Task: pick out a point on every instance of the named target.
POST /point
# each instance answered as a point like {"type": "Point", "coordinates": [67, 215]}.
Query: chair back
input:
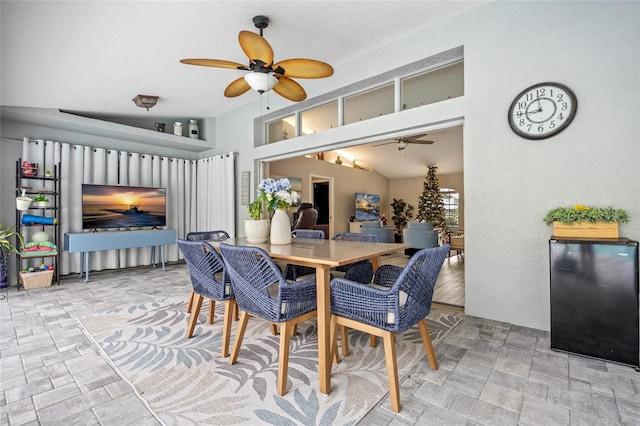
{"type": "Point", "coordinates": [417, 280]}
{"type": "Point", "coordinates": [354, 236]}
{"type": "Point", "coordinates": [260, 287]}
{"type": "Point", "coordinates": [217, 235]}
{"type": "Point", "coordinates": [306, 219]}
{"type": "Point", "coordinates": [317, 234]}
{"type": "Point", "coordinates": [206, 269]}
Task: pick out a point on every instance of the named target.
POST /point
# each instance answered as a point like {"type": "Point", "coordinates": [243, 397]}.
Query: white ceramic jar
{"type": "Point", "coordinates": [177, 128]}
{"type": "Point", "coordinates": [193, 129]}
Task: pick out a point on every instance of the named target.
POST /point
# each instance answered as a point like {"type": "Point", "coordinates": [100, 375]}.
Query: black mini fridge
{"type": "Point", "coordinates": [594, 298]}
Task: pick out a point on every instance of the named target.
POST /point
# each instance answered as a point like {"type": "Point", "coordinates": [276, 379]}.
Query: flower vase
{"type": "Point", "coordinates": [257, 231]}
{"type": "Point", "coordinates": [280, 228]}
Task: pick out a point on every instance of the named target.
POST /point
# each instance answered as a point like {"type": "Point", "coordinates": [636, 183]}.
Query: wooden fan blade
{"type": "Point", "coordinates": [304, 68]}
{"type": "Point", "coordinates": [385, 143]}
{"type": "Point", "coordinates": [289, 89]}
{"type": "Point", "coordinates": [236, 88]}
{"type": "Point", "coordinates": [218, 63]}
{"type": "Point", "coordinates": [255, 47]}
{"type": "Point", "coordinates": [421, 142]}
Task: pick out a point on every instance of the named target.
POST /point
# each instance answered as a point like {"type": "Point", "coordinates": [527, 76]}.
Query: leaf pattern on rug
{"type": "Point", "coordinates": [187, 382]}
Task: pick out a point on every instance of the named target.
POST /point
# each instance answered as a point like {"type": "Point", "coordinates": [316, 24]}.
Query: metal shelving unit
{"type": "Point", "coordinates": [33, 185]}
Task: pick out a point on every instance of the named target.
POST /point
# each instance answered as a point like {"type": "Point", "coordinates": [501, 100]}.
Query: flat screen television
{"type": "Point", "coordinates": [367, 206]}
{"type": "Point", "coordinates": [119, 206]}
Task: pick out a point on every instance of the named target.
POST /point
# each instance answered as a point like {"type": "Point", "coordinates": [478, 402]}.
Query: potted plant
{"type": "Point", "coordinates": [7, 248]}
{"type": "Point", "coordinates": [47, 173]}
{"type": "Point", "coordinates": [586, 222]}
{"type": "Point", "coordinates": [402, 212]}
{"type": "Point", "coordinates": [273, 196]}
{"type": "Point", "coordinates": [40, 201]}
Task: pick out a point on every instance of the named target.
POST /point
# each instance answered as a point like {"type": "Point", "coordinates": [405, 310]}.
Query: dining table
{"type": "Point", "coordinates": [322, 255]}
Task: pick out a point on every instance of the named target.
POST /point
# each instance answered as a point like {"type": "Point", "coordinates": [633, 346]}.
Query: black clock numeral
{"type": "Point", "coordinates": [564, 106]}
{"type": "Point", "coordinates": [529, 97]}
{"type": "Point", "coordinates": [529, 128]}
{"type": "Point", "coordinates": [560, 97]}
{"type": "Point", "coordinates": [521, 122]}
{"type": "Point", "coordinates": [560, 117]}
{"type": "Point", "coordinates": [552, 125]}
{"type": "Point", "coordinates": [522, 105]}
{"type": "Point", "coordinates": [541, 128]}
{"type": "Point", "coordinates": [540, 92]}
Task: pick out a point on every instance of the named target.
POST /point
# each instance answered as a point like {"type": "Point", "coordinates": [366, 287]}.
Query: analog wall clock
{"type": "Point", "coordinates": [542, 110]}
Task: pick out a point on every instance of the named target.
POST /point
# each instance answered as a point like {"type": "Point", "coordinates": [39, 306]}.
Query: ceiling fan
{"type": "Point", "coordinates": [402, 143]}
{"type": "Point", "coordinates": [264, 75]}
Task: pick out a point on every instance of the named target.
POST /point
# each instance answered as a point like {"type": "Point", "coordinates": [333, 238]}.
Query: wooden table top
{"type": "Point", "coordinates": [323, 252]}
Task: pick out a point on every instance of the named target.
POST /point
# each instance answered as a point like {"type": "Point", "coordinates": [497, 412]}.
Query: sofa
{"type": "Point", "coordinates": [419, 235]}
{"type": "Point", "coordinates": [385, 235]}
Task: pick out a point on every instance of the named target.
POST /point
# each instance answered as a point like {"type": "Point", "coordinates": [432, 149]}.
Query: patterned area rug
{"type": "Point", "coordinates": [187, 382]}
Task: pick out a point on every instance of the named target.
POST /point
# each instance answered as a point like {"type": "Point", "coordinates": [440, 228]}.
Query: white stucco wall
{"type": "Point", "coordinates": [510, 182]}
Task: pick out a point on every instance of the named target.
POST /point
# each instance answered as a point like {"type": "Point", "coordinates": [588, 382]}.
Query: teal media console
{"type": "Point", "coordinates": [86, 242]}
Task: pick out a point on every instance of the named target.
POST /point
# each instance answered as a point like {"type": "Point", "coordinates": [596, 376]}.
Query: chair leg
{"type": "Point", "coordinates": [428, 346]}
{"type": "Point", "coordinates": [236, 313]}
{"type": "Point", "coordinates": [244, 319]}
{"type": "Point", "coordinates": [212, 307]}
{"type": "Point", "coordinates": [345, 340]}
{"type": "Point", "coordinates": [274, 329]}
{"type": "Point", "coordinates": [333, 332]}
{"type": "Point", "coordinates": [392, 370]}
{"type": "Point", "coordinates": [229, 309]}
{"type": "Point", "coordinates": [373, 341]}
{"type": "Point", "coordinates": [190, 303]}
{"type": "Point", "coordinates": [195, 311]}
{"type": "Point", "coordinates": [283, 361]}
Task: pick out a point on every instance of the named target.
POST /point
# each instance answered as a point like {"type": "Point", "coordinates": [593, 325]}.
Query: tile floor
{"type": "Point", "coordinates": [491, 373]}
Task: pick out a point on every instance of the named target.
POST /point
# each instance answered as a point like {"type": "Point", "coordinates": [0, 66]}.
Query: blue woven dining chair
{"type": "Point", "coordinates": [317, 234]}
{"type": "Point", "coordinates": [262, 291]}
{"type": "Point", "coordinates": [361, 271]}
{"type": "Point", "coordinates": [208, 279]}
{"type": "Point", "coordinates": [293, 272]}
{"type": "Point", "coordinates": [217, 235]}
{"type": "Point", "coordinates": [398, 299]}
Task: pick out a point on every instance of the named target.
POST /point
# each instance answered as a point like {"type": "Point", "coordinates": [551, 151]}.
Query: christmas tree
{"type": "Point", "coordinates": [430, 205]}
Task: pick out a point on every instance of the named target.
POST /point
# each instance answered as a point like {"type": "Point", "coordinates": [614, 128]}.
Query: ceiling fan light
{"type": "Point", "coordinates": [261, 81]}
{"type": "Point", "coordinates": [145, 101]}
{"type": "Point", "coordinates": [402, 145]}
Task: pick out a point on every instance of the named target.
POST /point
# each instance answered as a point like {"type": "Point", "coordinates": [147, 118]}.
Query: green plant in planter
{"type": "Point", "coordinates": [581, 213]}
{"type": "Point", "coordinates": [400, 216]}
{"type": "Point", "coordinates": [5, 244]}
{"type": "Point", "coordinates": [40, 199]}
{"type": "Point", "coordinates": [255, 210]}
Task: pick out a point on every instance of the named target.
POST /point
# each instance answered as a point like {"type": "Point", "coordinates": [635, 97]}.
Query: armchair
{"type": "Point", "coordinates": [419, 235]}
{"type": "Point", "coordinates": [398, 299]}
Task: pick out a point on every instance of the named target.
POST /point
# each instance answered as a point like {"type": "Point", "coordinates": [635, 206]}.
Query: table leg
{"type": "Point", "coordinates": [81, 264]}
{"type": "Point", "coordinates": [86, 267]}
{"type": "Point", "coordinates": [323, 279]}
{"type": "Point", "coordinates": [162, 256]}
{"type": "Point", "coordinates": [153, 256]}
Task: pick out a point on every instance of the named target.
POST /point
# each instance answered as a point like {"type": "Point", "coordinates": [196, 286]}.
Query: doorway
{"type": "Point", "coordinates": [322, 190]}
